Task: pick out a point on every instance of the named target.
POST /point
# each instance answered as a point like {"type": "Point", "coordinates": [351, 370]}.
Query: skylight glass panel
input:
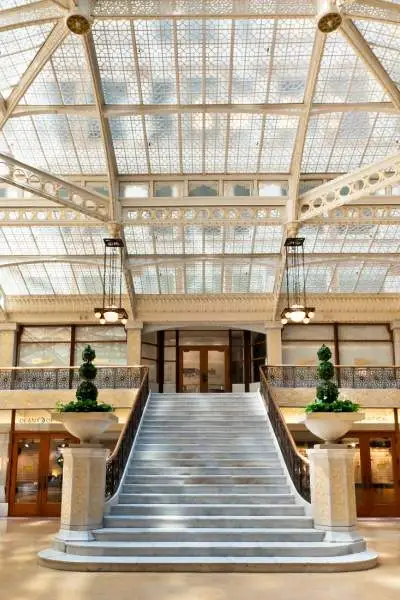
{"type": "Point", "coordinates": [239, 239]}
{"type": "Point", "coordinates": [7, 4]}
{"type": "Point", "coordinates": [49, 240]}
{"type": "Point", "coordinates": [146, 281]}
{"type": "Point", "coordinates": [129, 144]}
{"type": "Point", "coordinates": [213, 278]}
{"type": "Point", "coordinates": [214, 239]}
{"type": "Point", "coordinates": [345, 278]}
{"type": "Point", "coordinates": [193, 239]}
{"type": "Point", "coordinates": [343, 77]}
{"type": "Point", "coordinates": [65, 78]}
{"type": "Point", "coordinates": [262, 279]}
{"type": "Point", "coordinates": [169, 276]}
{"type": "Point", "coordinates": [384, 138]}
{"type": "Point", "coordinates": [318, 278]}
{"type": "Point", "coordinates": [190, 60]}
{"type": "Point", "coordinates": [192, 142]}
{"type": "Point", "coordinates": [12, 282]}
{"type": "Point", "coordinates": [278, 144]}
{"type": "Point", "coordinates": [215, 135]}
{"type": "Point", "coordinates": [336, 142]}
{"type": "Point", "coordinates": [115, 55]}
{"type": "Point", "coordinates": [84, 240]}
{"type": "Point", "coordinates": [253, 41]}
{"type": "Point", "coordinates": [268, 238]}
{"type": "Point", "coordinates": [168, 240]}
{"type": "Point", "coordinates": [383, 39]}
{"type": "Point", "coordinates": [387, 239]}
{"type": "Point", "coordinates": [244, 142]}
{"type": "Point", "coordinates": [293, 44]}
{"type": "Point", "coordinates": [218, 37]}
{"type": "Point", "coordinates": [163, 143]}
{"type": "Point", "coordinates": [61, 144]}
{"type": "Point", "coordinates": [89, 278]}
{"type": "Point", "coordinates": [194, 278]}
{"type": "Point", "coordinates": [36, 279]}
{"type": "Point", "coordinates": [18, 240]}
{"type": "Point", "coordinates": [237, 278]}
{"type": "Point", "coordinates": [62, 278]}
{"type": "Point", "coordinates": [391, 284]}
{"type": "Point", "coordinates": [19, 48]}
{"type": "Point", "coordinates": [371, 279]}
{"type": "Point", "coordinates": [358, 238]}
{"type": "Point", "coordinates": [156, 61]}
{"type": "Point", "coordinates": [139, 239]}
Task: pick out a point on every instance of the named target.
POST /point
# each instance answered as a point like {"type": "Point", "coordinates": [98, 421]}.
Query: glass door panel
{"type": "Point", "coordinates": [190, 371]}
{"type": "Point", "coordinates": [216, 370]}
{"type": "Point", "coordinates": [26, 458]}
{"type": "Point", "coordinates": [52, 481]}
{"type": "Point", "coordinates": [381, 480]}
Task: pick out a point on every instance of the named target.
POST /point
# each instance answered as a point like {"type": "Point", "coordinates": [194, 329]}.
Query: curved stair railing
{"type": "Point", "coordinates": [297, 465]}
{"type": "Point", "coordinates": [116, 463]}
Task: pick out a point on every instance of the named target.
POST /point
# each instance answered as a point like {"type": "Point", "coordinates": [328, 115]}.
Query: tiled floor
{"type": "Point", "coordinates": [22, 579]}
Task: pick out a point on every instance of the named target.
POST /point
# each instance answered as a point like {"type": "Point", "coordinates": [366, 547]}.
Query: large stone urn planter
{"type": "Point", "coordinates": [330, 426]}
{"type": "Point", "coordinates": [86, 426]}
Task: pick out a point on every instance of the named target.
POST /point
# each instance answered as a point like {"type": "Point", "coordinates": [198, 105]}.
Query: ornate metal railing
{"type": "Point", "coordinates": [345, 377]}
{"type": "Point", "coordinates": [59, 378]}
{"type": "Point", "coordinates": [117, 461]}
{"type": "Point", "coordinates": [297, 465]}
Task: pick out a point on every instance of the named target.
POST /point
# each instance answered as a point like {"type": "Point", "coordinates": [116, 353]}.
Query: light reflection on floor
{"type": "Point", "coordinates": [22, 579]}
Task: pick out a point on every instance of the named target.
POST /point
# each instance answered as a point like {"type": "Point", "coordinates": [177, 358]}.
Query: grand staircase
{"type": "Point", "coordinates": [206, 489]}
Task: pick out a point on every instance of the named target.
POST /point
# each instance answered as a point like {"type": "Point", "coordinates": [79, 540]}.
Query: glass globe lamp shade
{"type": "Point", "coordinates": [97, 314]}
{"type": "Point", "coordinates": [124, 321]}
{"type": "Point", "coordinates": [111, 315]}
{"type": "Point", "coordinates": [306, 320]}
{"type": "Point", "coordinates": [297, 315]}
{"type": "Point", "coordinates": [284, 320]}
{"type": "Point", "coordinates": [311, 314]}
{"type": "Point", "coordinates": [288, 314]}
{"type": "Point", "coordinates": [102, 320]}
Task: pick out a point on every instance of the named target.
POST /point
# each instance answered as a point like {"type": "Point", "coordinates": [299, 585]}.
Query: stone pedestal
{"type": "Point", "coordinates": [4, 447]}
{"type": "Point", "coordinates": [82, 504]}
{"type": "Point", "coordinates": [333, 496]}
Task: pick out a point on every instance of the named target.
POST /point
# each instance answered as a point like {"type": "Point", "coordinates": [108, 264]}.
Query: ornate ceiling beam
{"type": "Point", "coordinates": [349, 188]}
{"type": "Point", "coordinates": [295, 171]}
{"type": "Point", "coordinates": [105, 128]}
{"type": "Point", "coordinates": [357, 41]}
{"type": "Point", "coordinates": [56, 37]}
{"type": "Point", "coordinates": [53, 188]}
{"type": "Point", "coordinates": [30, 14]}
{"type": "Point", "coordinates": [120, 110]}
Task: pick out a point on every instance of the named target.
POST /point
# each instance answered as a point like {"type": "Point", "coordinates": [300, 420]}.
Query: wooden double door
{"type": "Point", "coordinates": [204, 369]}
{"type": "Point", "coordinates": [36, 473]}
{"type": "Point", "coordinates": [377, 474]}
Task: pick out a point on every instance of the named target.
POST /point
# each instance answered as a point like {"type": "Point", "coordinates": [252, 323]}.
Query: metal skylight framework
{"type": "Point", "coordinates": [214, 88]}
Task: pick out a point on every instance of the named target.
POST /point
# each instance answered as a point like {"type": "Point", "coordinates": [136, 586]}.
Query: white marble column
{"type": "Point", "coordinates": [4, 447]}
{"type": "Point", "coordinates": [273, 343]}
{"type": "Point", "coordinates": [333, 497]}
{"type": "Point", "coordinates": [134, 342]}
{"type": "Point", "coordinates": [395, 327]}
{"type": "Point", "coordinates": [82, 503]}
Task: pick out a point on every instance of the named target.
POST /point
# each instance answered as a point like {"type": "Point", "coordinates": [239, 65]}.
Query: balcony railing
{"type": "Point", "coordinates": [64, 378]}
{"type": "Point", "coordinates": [372, 377]}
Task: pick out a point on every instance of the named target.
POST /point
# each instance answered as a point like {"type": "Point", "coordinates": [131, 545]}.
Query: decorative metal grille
{"type": "Point", "coordinates": [298, 466]}
{"type": "Point", "coordinates": [346, 377]}
{"type": "Point", "coordinates": [116, 463]}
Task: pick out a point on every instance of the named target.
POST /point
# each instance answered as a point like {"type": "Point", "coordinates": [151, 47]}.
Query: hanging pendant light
{"type": "Point", "coordinates": [296, 309]}
{"type": "Point", "coordinates": [112, 310]}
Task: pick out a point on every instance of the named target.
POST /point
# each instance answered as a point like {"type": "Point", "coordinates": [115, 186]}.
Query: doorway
{"type": "Point", "coordinates": [36, 473]}
{"type": "Point", "coordinates": [204, 369]}
{"type": "Point", "coordinates": [376, 475]}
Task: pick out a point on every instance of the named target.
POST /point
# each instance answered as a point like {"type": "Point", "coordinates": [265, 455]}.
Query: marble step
{"type": "Point", "coordinates": [202, 448]}
{"type": "Point", "coordinates": [162, 463]}
{"type": "Point", "coordinates": [197, 509]}
{"type": "Point", "coordinates": [205, 454]}
{"type": "Point", "coordinates": [187, 498]}
{"type": "Point", "coordinates": [202, 472]}
{"type": "Point", "coordinates": [168, 488]}
{"type": "Point", "coordinates": [206, 521]}
{"type": "Point", "coordinates": [197, 549]}
{"type": "Point", "coordinates": [207, 535]}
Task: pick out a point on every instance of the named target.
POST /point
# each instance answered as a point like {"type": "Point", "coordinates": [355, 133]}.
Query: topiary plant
{"type": "Point", "coordinates": [327, 393]}
{"type": "Point", "coordinates": [86, 393]}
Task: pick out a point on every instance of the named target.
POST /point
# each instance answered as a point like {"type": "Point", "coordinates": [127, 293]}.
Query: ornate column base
{"type": "Point", "coordinates": [82, 503]}
{"type": "Point", "coordinates": [333, 498]}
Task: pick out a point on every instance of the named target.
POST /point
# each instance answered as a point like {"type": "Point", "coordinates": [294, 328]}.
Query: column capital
{"type": "Point", "coordinates": [6, 326]}
{"type": "Point", "coordinates": [395, 325]}
{"type": "Point", "coordinates": [273, 325]}
{"type": "Point", "coordinates": [134, 324]}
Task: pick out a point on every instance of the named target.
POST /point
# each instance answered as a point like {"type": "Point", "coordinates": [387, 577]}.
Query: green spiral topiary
{"type": "Point", "coordinates": [86, 393]}
{"type": "Point", "coordinates": [327, 393]}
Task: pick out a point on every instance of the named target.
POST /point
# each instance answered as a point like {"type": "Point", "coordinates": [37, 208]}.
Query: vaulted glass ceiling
{"type": "Point", "coordinates": [213, 87]}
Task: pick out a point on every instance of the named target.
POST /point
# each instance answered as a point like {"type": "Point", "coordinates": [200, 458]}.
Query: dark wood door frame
{"type": "Point", "coordinates": [203, 351]}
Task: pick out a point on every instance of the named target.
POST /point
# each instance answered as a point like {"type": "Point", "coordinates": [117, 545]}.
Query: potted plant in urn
{"type": "Point", "coordinates": [330, 417]}
{"type": "Point", "coordinates": [84, 417]}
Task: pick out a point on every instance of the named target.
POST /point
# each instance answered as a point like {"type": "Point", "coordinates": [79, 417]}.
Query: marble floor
{"type": "Point", "coordinates": [22, 579]}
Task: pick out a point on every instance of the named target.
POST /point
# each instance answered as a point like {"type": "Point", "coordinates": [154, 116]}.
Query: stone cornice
{"type": "Point", "coordinates": [219, 308]}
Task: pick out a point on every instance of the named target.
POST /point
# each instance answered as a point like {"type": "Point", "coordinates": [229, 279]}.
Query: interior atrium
{"type": "Point", "coordinates": [205, 192]}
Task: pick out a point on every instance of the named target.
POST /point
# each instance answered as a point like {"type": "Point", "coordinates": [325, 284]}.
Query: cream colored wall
{"type": "Point", "coordinates": [7, 343]}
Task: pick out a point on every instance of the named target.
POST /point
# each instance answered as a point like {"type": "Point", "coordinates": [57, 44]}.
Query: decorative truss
{"type": "Point", "coordinates": [349, 188]}
{"type": "Point", "coordinates": [53, 188]}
